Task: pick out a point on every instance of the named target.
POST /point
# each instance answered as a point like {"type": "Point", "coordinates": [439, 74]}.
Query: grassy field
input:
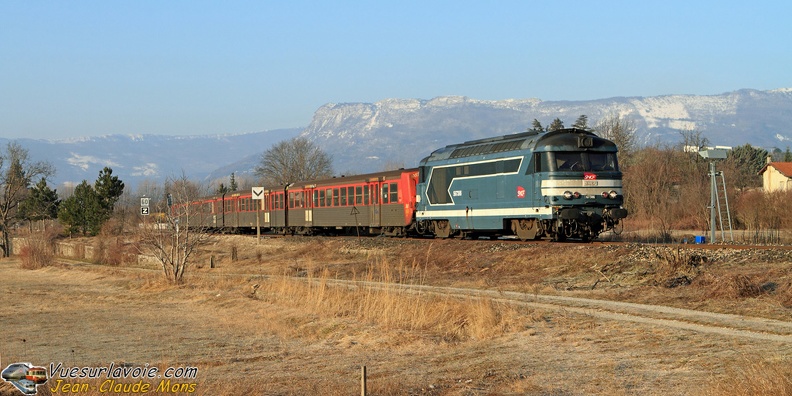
{"type": "Point", "coordinates": [268, 320]}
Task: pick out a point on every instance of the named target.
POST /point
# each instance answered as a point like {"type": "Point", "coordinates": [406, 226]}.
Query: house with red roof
{"type": "Point", "coordinates": [777, 176]}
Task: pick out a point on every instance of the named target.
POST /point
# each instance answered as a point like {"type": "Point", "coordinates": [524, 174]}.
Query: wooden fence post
{"type": "Point", "coordinates": [362, 380]}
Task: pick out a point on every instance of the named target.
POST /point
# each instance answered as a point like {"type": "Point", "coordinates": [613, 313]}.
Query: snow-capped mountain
{"type": "Point", "coordinates": [368, 137]}
{"type": "Point", "coordinates": [154, 158]}
{"type": "Point", "coordinates": [365, 136]}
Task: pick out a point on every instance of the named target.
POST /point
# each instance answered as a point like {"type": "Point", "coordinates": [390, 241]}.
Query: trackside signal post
{"type": "Point", "coordinates": [715, 154]}
{"type": "Point", "coordinates": [257, 193]}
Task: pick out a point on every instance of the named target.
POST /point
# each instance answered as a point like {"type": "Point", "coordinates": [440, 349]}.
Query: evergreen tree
{"type": "Point", "coordinates": [222, 189]}
{"type": "Point", "coordinates": [108, 188]}
{"type": "Point", "coordinates": [537, 126]}
{"type": "Point", "coordinates": [83, 212]}
{"type": "Point", "coordinates": [233, 186]}
{"type": "Point", "coordinates": [747, 161]}
{"type": "Point", "coordinates": [556, 125]}
{"type": "Point", "coordinates": [788, 155]}
{"type": "Point", "coordinates": [581, 123]}
{"type": "Point", "coordinates": [41, 203]}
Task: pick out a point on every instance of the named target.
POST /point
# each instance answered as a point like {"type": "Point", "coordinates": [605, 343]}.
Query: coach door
{"type": "Point", "coordinates": [263, 206]}
{"type": "Point", "coordinates": [308, 204]}
{"type": "Point", "coordinates": [376, 208]}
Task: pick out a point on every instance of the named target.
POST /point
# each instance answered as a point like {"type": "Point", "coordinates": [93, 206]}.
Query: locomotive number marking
{"type": "Point", "coordinates": [590, 183]}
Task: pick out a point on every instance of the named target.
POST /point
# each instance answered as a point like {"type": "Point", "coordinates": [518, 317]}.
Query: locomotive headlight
{"type": "Point", "coordinates": [613, 194]}
{"type": "Point", "coordinates": [604, 194]}
{"type": "Point", "coordinates": [567, 194]}
{"type": "Point", "coordinates": [576, 195]}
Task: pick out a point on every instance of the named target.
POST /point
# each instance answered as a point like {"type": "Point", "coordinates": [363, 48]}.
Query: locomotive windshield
{"type": "Point", "coordinates": [576, 161]}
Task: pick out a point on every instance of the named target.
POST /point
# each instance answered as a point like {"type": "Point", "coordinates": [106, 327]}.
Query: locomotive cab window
{"type": "Point", "coordinates": [569, 161]}
{"type": "Point", "coordinates": [603, 161]}
{"type": "Point", "coordinates": [574, 161]}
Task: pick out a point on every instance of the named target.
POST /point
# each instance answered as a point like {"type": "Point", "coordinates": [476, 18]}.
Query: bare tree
{"type": "Point", "coordinates": [176, 239]}
{"type": "Point", "coordinates": [16, 174]}
{"type": "Point", "coordinates": [692, 138]}
{"type": "Point", "coordinates": [293, 160]}
{"type": "Point", "coordinates": [620, 131]}
{"type": "Point", "coordinates": [651, 187]}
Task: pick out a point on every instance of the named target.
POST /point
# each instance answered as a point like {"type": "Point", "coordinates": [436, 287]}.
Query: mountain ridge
{"type": "Point", "coordinates": [368, 137]}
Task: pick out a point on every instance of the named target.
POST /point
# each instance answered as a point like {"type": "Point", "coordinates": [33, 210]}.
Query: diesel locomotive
{"type": "Point", "coordinates": [559, 185]}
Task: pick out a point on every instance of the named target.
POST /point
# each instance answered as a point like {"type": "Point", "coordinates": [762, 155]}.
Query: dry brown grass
{"type": "Point", "coordinates": [300, 333]}
{"type": "Point", "coordinates": [386, 305]}
{"type": "Point", "coordinates": [754, 377]}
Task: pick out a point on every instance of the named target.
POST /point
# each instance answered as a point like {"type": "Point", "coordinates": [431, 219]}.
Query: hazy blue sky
{"type": "Point", "coordinates": [84, 68]}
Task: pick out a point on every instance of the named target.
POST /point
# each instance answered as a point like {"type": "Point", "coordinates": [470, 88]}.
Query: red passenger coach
{"type": "Point", "coordinates": [375, 203]}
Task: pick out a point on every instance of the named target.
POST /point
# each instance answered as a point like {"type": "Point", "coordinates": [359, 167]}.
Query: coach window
{"type": "Point", "coordinates": [394, 192]}
{"type": "Point", "coordinates": [358, 195]}
{"type": "Point", "coordinates": [343, 196]}
{"type": "Point", "coordinates": [335, 197]}
{"type": "Point", "coordinates": [385, 193]}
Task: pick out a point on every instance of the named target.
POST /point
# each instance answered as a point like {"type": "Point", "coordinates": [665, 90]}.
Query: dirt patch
{"type": "Point", "coordinates": [254, 343]}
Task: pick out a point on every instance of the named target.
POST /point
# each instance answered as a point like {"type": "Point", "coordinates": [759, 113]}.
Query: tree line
{"type": "Point", "coordinates": [666, 186]}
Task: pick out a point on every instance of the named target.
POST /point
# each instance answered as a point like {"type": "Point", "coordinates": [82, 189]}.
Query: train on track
{"type": "Point", "coordinates": [563, 184]}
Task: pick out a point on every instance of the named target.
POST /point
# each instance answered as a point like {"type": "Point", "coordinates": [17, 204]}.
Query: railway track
{"type": "Point", "coordinates": [706, 246]}
{"type": "Point", "coordinates": [735, 326]}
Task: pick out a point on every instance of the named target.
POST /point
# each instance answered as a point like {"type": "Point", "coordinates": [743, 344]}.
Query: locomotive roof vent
{"type": "Point", "coordinates": [585, 141]}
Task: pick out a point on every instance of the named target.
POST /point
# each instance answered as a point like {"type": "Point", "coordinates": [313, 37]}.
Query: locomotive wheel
{"type": "Point", "coordinates": [422, 227]}
{"type": "Point", "coordinates": [442, 229]}
{"type": "Point", "coordinates": [525, 229]}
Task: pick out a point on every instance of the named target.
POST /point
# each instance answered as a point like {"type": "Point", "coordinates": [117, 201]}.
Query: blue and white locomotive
{"type": "Point", "coordinates": [560, 184]}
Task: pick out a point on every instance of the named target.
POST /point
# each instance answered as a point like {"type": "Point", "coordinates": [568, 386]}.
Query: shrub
{"type": "Point", "coordinates": [38, 250]}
